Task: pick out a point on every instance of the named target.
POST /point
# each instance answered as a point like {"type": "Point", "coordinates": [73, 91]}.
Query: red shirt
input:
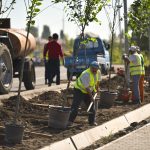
{"type": "Point", "coordinates": [54, 50]}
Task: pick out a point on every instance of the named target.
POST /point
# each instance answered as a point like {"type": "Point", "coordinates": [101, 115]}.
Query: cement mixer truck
{"type": "Point", "coordinates": [12, 50]}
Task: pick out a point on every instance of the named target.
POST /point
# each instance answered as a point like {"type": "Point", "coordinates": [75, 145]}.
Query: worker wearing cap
{"type": "Point", "coordinates": [86, 84]}
{"type": "Point", "coordinates": [134, 61]}
{"type": "Point", "coordinates": [141, 82]}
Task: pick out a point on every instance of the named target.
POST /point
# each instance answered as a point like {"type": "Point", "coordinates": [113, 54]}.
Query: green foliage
{"type": "Point", "coordinates": [117, 52]}
{"type": "Point", "coordinates": [139, 16]}
{"type": "Point", "coordinates": [139, 20]}
{"type": "Point", "coordinates": [116, 56]}
{"type": "Point", "coordinates": [33, 10]}
{"type": "Point", "coordinates": [46, 32]}
{"type": "Point", "coordinates": [146, 58]}
{"type": "Point", "coordinates": [82, 12]}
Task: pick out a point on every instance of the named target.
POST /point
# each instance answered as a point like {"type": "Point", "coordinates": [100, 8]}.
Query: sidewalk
{"type": "Point", "coordinates": [136, 140]}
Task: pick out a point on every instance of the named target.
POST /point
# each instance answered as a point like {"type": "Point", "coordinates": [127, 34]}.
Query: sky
{"type": "Point", "coordinates": [54, 17]}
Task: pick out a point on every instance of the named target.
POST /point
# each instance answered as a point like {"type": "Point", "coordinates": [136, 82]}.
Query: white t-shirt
{"type": "Point", "coordinates": [85, 79]}
{"type": "Point", "coordinates": [133, 59]}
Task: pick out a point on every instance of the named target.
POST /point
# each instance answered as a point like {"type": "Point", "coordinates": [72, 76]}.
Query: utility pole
{"type": "Point", "coordinates": [126, 26]}
{"type": "Point", "coordinates": [0, 6]}
{"type": "Point", "coordinates": [126, 44]}
{"type": "Point", "coordinates": [63, 23]}
{"type": "Point", "coordinates": [149, 43]}
{"type": "Point", "coordinates": [120, 33]}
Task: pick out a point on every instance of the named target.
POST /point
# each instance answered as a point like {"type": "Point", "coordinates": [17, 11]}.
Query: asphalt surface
{"type": "Point", "coordinates": [40, 81]}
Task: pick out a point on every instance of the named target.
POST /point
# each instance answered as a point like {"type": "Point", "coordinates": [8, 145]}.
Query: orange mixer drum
{"type": "Point", "coordinates": [18, 40]}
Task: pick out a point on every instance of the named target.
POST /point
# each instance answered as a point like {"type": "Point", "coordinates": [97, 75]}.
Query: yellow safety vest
{"type": "Point", "coordinates": [142, 63]}
{"type": "Point", "coordinates": [136, 69]}
{"type": "Point", "coordinates": [80, 86]}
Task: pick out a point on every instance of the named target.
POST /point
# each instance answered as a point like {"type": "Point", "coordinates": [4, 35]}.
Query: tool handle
{"type": "Point", "coordinates": [94, 97]}
{"type": "Point", "coordinates": [90, 106]}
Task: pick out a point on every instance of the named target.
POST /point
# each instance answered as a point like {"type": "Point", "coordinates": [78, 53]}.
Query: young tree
{"type": "Point", "coordinates": [32, 11]}
{"type": "Point", "coordinates": [82, 12]}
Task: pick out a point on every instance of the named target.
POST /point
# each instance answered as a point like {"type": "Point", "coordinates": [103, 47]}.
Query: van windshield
{"type": "Point", "coordinates": [89, 45]}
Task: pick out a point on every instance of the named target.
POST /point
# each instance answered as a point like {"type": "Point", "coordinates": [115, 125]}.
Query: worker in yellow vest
{"type": "Point", "coordinates": [85, 86]}
{"type": "Point", "coordinates": [141, 82]}
{"type": "Point", "coordinates": [134, 61]}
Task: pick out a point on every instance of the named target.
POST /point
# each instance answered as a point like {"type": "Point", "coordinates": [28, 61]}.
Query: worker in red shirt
{"type": "Point", "coordinates": [54, 53]}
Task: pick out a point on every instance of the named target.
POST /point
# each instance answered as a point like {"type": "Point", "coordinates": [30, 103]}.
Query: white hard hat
{"type": "Point", "coordinates": [133, 48]}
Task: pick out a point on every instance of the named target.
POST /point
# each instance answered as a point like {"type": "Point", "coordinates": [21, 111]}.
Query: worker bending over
{"type": "Point", "coordinates": [85, 86]}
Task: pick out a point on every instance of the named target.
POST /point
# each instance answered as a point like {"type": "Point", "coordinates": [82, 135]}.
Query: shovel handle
{"type": "Point", "coordinates": [90, 106]}
{"type": "Point", "coordinates": [94, 97]}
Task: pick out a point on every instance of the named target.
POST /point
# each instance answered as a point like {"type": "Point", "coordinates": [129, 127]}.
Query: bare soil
{"type": "Point", "coordinates": [35, 116]}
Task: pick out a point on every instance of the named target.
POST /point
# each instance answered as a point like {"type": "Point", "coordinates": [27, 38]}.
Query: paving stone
{"type": "Point", "coordinates": [136, 140]}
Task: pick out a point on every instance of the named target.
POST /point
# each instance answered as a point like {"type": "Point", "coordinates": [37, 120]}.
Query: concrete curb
{"type": "Point", "coordinates": [87, 138]}
{"type": "Point", "coordinates": [61, 145]}
{"type": "Point", "coordinates": [138, 114]}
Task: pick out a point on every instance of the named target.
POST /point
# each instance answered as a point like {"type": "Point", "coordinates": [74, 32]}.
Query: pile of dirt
{"type": "Point", "coordinates": [34, 115]}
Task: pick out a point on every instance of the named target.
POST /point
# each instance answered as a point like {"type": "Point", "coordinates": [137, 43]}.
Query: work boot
{"type": "Point", "coordinates": [93, 124]}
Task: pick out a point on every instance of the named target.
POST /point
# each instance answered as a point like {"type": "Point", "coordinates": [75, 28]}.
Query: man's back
{"type": "Point", "coordinates": [54, 50]}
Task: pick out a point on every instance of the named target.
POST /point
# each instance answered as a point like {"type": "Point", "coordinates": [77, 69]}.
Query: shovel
{"type": "Point", "coordinates": [92, 103]}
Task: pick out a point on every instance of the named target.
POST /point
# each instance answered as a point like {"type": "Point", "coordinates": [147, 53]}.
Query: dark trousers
{"type": "Point", "coordinates": [54, 70]}
{"type": "Point", "coordinates": [46, 70]}
{"type": "Point", "coordinates": [77, 99]}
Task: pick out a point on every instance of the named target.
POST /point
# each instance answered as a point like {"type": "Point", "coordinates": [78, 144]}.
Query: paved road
{"type": "Point", "coordinates": [40, 82]}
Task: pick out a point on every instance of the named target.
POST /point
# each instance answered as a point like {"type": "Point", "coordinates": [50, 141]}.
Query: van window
{"type": "Point", "coordinates": [90, 45]}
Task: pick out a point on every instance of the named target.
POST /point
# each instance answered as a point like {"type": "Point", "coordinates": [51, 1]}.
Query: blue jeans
{"type": "Point", "coordinates": [136, 91]}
